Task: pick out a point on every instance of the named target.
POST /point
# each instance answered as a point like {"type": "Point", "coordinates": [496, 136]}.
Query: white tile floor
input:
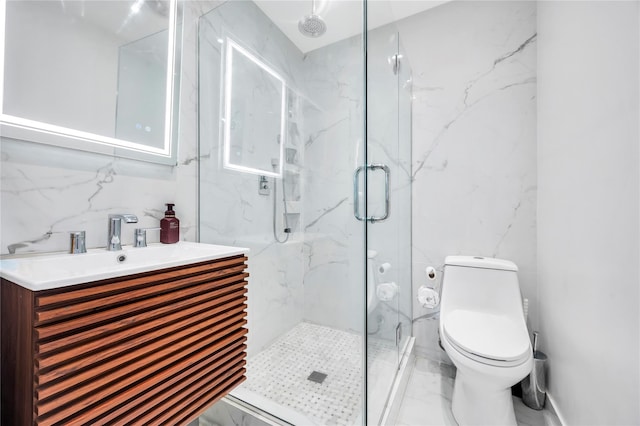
{"type": "Point", "coordinates": [427, 399]}
{"type": "Point", "coordinates": [280, 373]}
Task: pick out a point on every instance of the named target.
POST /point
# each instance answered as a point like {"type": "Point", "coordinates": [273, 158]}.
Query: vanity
{"type": "Point", "coordinates": [150, 335]}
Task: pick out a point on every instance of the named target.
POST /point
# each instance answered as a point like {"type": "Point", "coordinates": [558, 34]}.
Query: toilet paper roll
{"type": "Point", "coordinates": [428, 297]}
{"type": "Point", "coordinates": [386, 291]}
{"type": "Point", "coordinates": [384, 268]}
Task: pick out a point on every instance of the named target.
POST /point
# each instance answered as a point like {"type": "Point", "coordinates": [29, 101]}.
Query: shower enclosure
{"type": "Point", "coordinates": [305, 159]}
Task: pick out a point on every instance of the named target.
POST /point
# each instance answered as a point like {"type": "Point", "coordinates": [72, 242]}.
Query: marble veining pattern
{"type": "Point", "coordinates": [474, 143]}
{"type": "Point", "coordinates": [46, 191]}
{"type": "Point", "coordinates": [333, 148]}
{"type": "Point", "coordinates": [232, 211]}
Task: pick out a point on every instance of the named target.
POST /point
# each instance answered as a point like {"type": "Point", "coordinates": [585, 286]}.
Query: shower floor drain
{"type": "Point", "coordinates": [317, 377]}
{"type": "Point", "coordinates": [280, 373]}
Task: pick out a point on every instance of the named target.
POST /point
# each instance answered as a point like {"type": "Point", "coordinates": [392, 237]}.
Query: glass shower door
{"type": "Point", "coordinates": [388, 213]}
{"type": "Point", "coordinates": [280, 133]}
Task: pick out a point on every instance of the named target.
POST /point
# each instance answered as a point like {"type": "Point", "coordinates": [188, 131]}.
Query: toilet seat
{"type": "Point", "coordinates": [487, 338]}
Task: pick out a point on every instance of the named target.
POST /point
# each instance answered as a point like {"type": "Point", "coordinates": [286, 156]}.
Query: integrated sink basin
{"type": "Point", "coordinates": [42, 272]}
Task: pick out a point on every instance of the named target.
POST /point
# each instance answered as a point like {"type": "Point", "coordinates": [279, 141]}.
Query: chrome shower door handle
{"type": "Point", "coordinates": [387, 193]}
{"type": "Point", "coordinates": [356, 191]}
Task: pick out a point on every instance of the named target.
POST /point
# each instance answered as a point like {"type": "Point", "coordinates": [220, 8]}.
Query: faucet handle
{"type": "Point", "coordinates": [78, 244]}
{"type": "Point", "coordinates": [140, 239]}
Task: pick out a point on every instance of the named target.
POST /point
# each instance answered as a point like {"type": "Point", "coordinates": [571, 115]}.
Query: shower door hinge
{"type": "Point", "coordinates": [398, 333]}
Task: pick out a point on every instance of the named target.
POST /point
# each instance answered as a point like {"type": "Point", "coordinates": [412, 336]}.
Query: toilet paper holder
{"type": "Point", "coordinates": [431, 272]}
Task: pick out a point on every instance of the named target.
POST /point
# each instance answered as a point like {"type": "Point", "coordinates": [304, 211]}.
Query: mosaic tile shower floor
{"type": "Point", "coordinates": [281, 373]}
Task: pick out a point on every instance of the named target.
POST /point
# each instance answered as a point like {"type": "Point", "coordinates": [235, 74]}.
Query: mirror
{"type": "Point", "coordinates": [91, 75]}
{"type": "Point", "coordinates": [254, 98]}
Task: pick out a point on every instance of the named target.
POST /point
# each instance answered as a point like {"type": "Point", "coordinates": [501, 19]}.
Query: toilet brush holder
{"type": "Point", "coordinates": [534, 386]}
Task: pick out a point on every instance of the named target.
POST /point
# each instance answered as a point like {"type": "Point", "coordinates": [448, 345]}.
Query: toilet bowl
{"type": "Point", "coordinates": [483, 330]}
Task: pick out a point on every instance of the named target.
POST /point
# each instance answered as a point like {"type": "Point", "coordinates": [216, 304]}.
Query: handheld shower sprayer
{"type": "Point", "coordinates": [287, 230]}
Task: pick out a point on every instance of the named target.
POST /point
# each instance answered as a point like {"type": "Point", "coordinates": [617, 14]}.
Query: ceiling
{"type": "Point", "coordinates": [343, 17]}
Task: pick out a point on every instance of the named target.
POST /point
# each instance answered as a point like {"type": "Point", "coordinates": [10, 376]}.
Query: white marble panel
{"type": "Point", "coordinates": [231, 209]}
{"type": "Point", "coordinates": [474, 141]}
{"type": "Point", "coordinates": [334, 239]}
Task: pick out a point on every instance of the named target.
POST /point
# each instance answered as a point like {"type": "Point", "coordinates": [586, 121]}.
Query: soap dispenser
{"type": "Point", "coordinates": [169, 226]}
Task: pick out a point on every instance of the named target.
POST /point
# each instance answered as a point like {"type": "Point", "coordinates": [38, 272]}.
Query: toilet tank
{"type": "Point", "coordinates": [481, 284]}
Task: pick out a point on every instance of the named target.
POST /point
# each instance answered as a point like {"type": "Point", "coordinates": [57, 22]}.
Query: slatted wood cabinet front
{"type": "Point", "coordinates": [153, 348]}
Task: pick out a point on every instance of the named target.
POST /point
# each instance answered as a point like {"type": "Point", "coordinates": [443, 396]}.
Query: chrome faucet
{"type": "Point", "coordinates": [78, 242]}
{"type": "Point", "coordinates": [114, 242]}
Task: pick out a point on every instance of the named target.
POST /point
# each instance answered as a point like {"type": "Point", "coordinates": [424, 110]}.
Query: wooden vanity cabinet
{"type": "Point", "coordinates": [152, 348]}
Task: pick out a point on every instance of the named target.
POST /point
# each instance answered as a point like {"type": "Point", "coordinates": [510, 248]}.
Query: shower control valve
{"type": "Point", "coordinates": [263, 186]}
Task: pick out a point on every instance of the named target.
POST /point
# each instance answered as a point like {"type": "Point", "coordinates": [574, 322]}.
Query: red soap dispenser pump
{"type": "Point", "coordinates": [169, 226]}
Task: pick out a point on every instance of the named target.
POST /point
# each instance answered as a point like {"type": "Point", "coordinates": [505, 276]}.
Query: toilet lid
{"type": "Point", "coordinates": [489, 336]}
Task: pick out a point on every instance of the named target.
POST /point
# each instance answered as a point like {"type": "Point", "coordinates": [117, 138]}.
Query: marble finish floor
{"type": "Point", "coordinates": [427, 399]}
{"type": "Point", "coordinates": [278, 378]}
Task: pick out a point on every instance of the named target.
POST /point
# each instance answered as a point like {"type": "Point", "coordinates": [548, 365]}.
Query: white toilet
{"type": "Point", "coordinates": [483, 330]}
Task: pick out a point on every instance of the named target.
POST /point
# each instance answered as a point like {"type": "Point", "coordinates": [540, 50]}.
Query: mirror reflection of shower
{"type": "Point", "coordinates": [287, 230]}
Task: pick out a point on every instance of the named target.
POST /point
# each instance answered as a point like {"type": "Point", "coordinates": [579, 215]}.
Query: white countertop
{"type": "Point", "coordinates": [42, 272]}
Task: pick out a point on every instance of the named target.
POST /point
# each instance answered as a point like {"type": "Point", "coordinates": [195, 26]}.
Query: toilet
{"type": "Point", "coordinates": [483, 330]}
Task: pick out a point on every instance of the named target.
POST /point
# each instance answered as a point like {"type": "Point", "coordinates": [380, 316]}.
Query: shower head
{"type": "Point", "coordinates": [312, 25]}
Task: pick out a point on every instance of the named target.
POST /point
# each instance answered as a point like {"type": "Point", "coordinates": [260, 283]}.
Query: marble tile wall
{"type": "Point", "coordinates": [46, 191]}
{"type": "Point", "coordinates": [474, 179]}
{"type": "Point", "coordinates": [334, 239]}
{"type": "Point", "coordinates": [317, 275]}
{"type": "Point", "coordinates": [474, 141]}
{"type": "Point", "coordinates": [231, 209]}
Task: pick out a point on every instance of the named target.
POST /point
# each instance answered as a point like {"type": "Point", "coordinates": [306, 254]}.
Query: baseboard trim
{"type": "Point", "coordinates": [553, 408]}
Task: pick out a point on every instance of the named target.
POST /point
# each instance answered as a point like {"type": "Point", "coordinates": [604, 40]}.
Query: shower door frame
{"type": "Point", "coordinates": [401, 148]}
